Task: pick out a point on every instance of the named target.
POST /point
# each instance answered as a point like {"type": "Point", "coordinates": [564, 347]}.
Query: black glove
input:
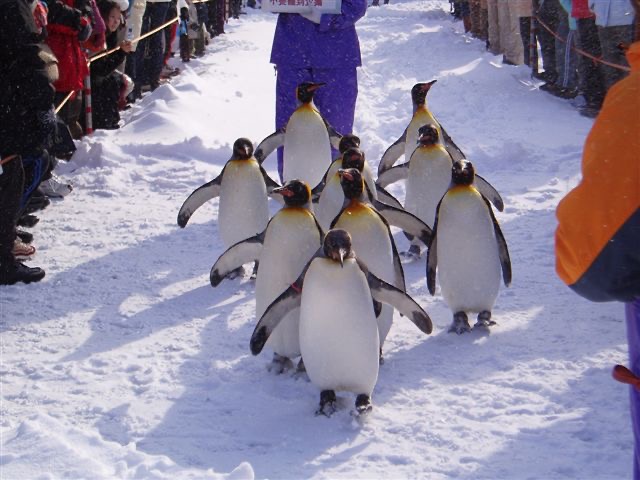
{"type": "Point", "coordinates": [84, 30]}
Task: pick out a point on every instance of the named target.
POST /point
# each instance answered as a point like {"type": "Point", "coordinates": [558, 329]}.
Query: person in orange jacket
{"type": "Point", "coordinates": [598, 234]}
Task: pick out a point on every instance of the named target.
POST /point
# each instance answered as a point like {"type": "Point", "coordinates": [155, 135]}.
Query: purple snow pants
{"type": "Point", "coordinates": [632, 311]}
{"type": "Point", "coordinates": [336, 100]}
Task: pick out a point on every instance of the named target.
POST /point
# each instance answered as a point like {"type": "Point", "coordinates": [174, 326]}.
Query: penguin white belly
{"type": "Point", "coordinates": [371, 242]}
{"type": "Point", "coordinates": [338, 332]}
{"type": "Point", "coordinates": [243, 210]}
{"type": "Point", "coordinates": [428, 181]}
{"type": "Point", "coordinates": [307, 150]}
{"type": "Point", "coordinates": [330, 202]}
{"type": "Point", "coordinates": [420, 118]}
{"type": "Point", "coordinates": [290, 241]}
{"type": "Point", "coordinates": [468, 262]}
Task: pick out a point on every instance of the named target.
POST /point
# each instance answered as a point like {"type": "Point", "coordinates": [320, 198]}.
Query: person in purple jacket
{"type": "Point", "coordinates": [318, 48]}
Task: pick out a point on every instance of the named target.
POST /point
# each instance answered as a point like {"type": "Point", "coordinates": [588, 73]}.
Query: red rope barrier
{"type": "Point", "coordinates": [581, 52]}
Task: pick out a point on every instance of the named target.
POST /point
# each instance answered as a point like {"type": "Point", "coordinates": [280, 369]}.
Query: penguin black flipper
{"type": "Point", "coordinates": [503, 251]}
{"type": "Point", "coordinates": [386, 197]}
{"type": "Point", "coordinates": [383, 292]}
{"type": "Point", "coordinates": [287, 301]}
{"type": "Point", "coordinates": [453, 149]}
{"type": "Point", "coordinates": [198, 197]}
{"type": "Point", "coordinates": [334, 136]}
{"type": "Point", "coordinates": [269, 144]}
{"type": "Point", "coordinates": [268, 181]}
{"type": "Point", "coordinates": [236, 255]}
{"type": "Point", "coordinates": [487, 191]}
{"type": "Point", "coordinates": [408, 222]}
{"type": "Point", "coordinates": [392, 154]}
{"type": "Point", "coordinates": [397, 265]}
{"type": "Point", "coordinates": [432, 255]}
{"type": "Point", "coordinates": [394, 174]}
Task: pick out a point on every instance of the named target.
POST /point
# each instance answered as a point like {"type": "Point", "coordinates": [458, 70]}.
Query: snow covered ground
{"type": "Point", "coordinates": [125, 363]}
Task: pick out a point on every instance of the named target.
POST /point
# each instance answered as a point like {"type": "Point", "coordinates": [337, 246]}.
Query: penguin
{"type": "Point", "coordinates": [428, 175]}
{"type": "Point", "coordinates": [282, 250]}
{"type": "Point", "coordinates": [337, 297]}
{"type": "Point", "coordinates": [242, 187]}
{"type": "Point", "coordinates": [407, 142]}
{"type": "Point", "coordinates": [468, 250]}
{"type": "Point", "coordinates": [368, 223]}
{"type": "Point", "coordinates": [331, 197]}
{"type": "Point", "coordinates": [307, 140]}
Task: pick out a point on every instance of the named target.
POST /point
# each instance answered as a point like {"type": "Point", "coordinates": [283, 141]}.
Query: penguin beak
{"type": "Point", "coordinates": [284, 191]}
{"type": "Point", "coordinates": [316, 86]}
{"type": "Point", "coordinates": [345, 174]}
{"type": "Point", "coordinates": [341, 253]}
{"type": "Point", "coordinates": [427, 86]}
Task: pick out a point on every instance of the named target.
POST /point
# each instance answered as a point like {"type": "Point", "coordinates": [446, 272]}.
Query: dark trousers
{"type": "Point", "coordinates": [591, 79]}
{"type": "Point", "coordinates": [547, 11]}
{"type": "Point", "coordinates": [610, 38]}
{"type": "Point", "coordinates": [525, 34]}
{"type": "Point", "coordinates": [11, 185]}
{"type": "Point", "coordinates": [150, 50]}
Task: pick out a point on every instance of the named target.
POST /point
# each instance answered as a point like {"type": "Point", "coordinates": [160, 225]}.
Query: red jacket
{"type": "Point", "coordinates": [72, 62]}
{"type": "Point", "coordinates": [580, 9]}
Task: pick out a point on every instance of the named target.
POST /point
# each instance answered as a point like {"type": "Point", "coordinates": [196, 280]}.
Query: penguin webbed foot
{"type": "Point", "coordinates": [380, 358]}
{"type": "Point", "coordinates": [484, 320]}
{"type": "Point", "coordinates": [254, 273]}
{"type": "Point", "coordinates": [235, 273]}
{"type": "Point", "coordinates": [327, 405]}
{"type": "Point", "coordinates": [363, 404]}
{"type": "Point", "coordinates": [412, 254]}
{"type": "Point", "coordinates": [279, 364]}
{"type": "Point", "coordinates": [460, 323]}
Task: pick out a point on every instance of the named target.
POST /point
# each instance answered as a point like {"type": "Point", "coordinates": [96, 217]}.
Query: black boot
{"type": "Point", "coordinates": [19, 272]}
{"type": "Point", "coordinates": [24, 236]}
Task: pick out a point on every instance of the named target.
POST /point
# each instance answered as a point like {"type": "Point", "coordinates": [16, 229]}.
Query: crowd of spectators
{"type": "Point", "coordinates": [582, 42]}
{"type": "Point", "coordinates": [54, 53]}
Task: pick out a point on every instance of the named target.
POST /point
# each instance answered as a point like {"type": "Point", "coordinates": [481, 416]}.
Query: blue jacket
{"type": "Point", "coordinates": [612, 13]}
{"type": "Point", "coordinates": [300, 43]}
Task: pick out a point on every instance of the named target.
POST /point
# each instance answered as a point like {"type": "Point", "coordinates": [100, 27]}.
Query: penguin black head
{"type": "Point", "coordinates": [337, 245]}
{"type": "Point", "coordinates": [428, 135]}
{"type": "Point", "coordinates": [351, 182]}
{"type": "Point", "coordinates": [242, 149]}
{"type": "Point", "coordinates": [305, 91]}
{"type": "Point", "coordinates": [296, 193]}
{"type": "Point", "coordinates": [462, 172]}
{"type": "Point", "coordinates": [419, 92]}
{"type": "Point", "coordinates": [348, 141]}
{"type": "Point", "coordinates": [353, 158]}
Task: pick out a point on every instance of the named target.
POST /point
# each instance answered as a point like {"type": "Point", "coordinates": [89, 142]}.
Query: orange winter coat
{"type": "Point", "coordinates": [598, 234]}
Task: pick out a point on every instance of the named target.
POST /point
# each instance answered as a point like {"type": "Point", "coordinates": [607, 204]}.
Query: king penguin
{"type": "Point", "coordinates": [421, 116]}
{"type": "Point", "coordinates": [337, 297]}
{"type": "Point", "coordinates": [468, 250]}
{"type": "Point", "coordinates": [368, 223]}
{"type": "Point", "coordinates": [242, 187]}
{"type": "Point", "coordinates": [282, 249]}
{"type": "Point", "coordinates": [307, 140]}
{"type": "Point", "coordinates": [332, 198]}
{"type": "Point", "coordinates": [428, 175]}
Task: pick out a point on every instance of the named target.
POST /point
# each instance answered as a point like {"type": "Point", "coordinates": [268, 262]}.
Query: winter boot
{"type": "Point", "coordinates": [19, 272]}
